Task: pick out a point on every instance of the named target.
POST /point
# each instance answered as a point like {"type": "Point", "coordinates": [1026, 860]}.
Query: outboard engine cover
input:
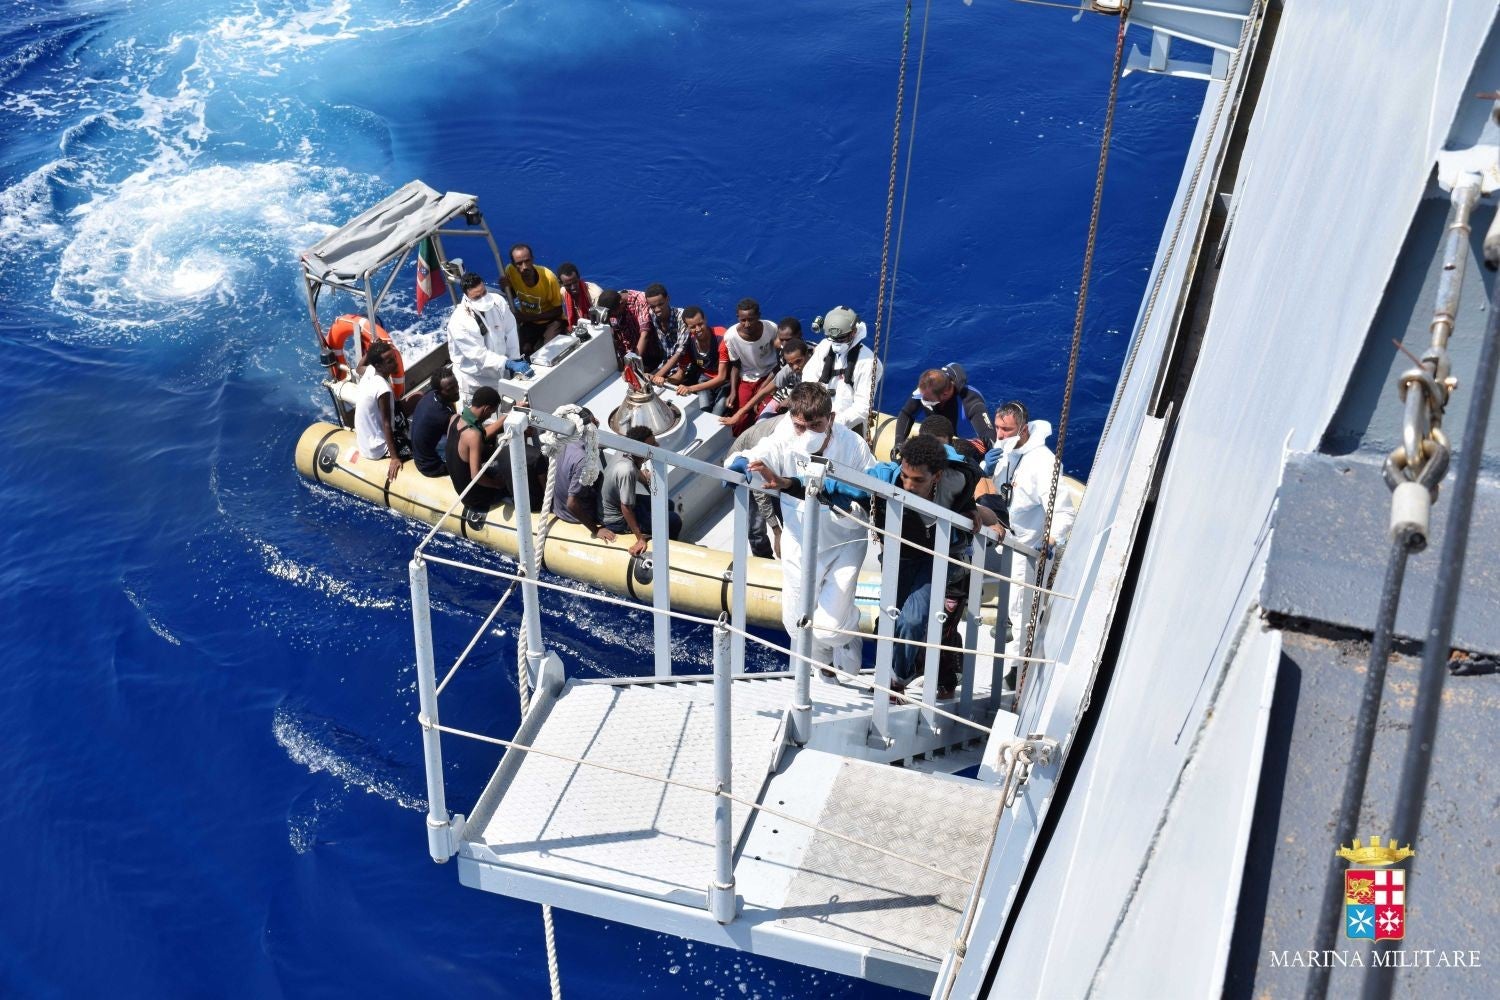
{"type": "Point", "coordinates": [642, 406]}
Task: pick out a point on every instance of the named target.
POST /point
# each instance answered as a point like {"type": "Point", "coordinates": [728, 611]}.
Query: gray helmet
{"type": "Point", "coordinates": [839, 324]}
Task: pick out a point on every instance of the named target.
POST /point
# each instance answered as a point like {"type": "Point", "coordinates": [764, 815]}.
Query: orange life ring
{"type": "Point", "coordinates": [338, 336]}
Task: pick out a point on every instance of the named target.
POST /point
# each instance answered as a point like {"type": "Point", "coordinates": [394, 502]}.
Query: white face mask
{"type": "Point", "coordinates": [812, 442]}
{"type": "Point", "coordinates": [929, 405]}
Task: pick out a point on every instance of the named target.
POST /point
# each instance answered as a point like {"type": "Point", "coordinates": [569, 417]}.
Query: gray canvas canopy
{"type": "Point", "coordinates": [350, 253]}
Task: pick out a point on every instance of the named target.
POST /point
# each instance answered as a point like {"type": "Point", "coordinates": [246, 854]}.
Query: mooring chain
{"type": "Point", "coordinates": [1077, 344]}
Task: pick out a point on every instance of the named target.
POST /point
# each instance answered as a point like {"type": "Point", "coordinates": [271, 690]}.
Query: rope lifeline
{"type": "Point", "coordinates": [890, 211]}
{"type": "Point", "coordinates": [1075, 348]}
{"type": "Point", "coordinates": [876, 398]}
{"type": "Point", "coordinates": [523, 674]}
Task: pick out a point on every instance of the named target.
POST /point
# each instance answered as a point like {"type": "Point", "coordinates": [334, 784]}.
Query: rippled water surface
{"type": "Point", "coordinates": [212, 781]}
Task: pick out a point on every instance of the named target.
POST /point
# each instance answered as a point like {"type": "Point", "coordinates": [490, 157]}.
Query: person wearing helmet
{"type": "Point", "coordinates": [846, 366]}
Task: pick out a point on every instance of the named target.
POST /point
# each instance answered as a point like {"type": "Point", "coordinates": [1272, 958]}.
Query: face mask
{"type": "Point", "coordinates": [929, 405]}
{"type": "Point", "coordinates": [812, 442]}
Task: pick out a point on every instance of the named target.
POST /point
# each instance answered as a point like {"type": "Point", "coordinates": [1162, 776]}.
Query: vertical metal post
{"type": "Point", "coordinates": [802, 666]}
{"type": "Point", "coordinates": [739, 577]}
{"type": "Point", "coordinates": [721, 901]}
{"type": "Point", "coordinates": [978, 557]}
{"type": "Point", "coordinates": [442, 256]}
{"type": "Point", "coordinates": [661, 575]}
{"type": "Point", "coordinates": [526, 554]}
{"type": "Point", "coordinates": [885, 627]}
{"type": "Point", "coordinates": [356, 343]}
{"type": "Point", "coordinates": [439, 830]}
{"type": "Point", "coordinates": [1002, 625]}
{"type": "Point", "coordinates": [942, 535]}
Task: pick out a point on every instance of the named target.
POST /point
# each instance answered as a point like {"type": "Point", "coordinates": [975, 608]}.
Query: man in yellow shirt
{"type": "Point", "coordinates": [538, 299]}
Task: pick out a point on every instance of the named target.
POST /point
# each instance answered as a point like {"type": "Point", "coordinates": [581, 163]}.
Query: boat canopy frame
{"type": "Point", "coordinates": [351, 257]}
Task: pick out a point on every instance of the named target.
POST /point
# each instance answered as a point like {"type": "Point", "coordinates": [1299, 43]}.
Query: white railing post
{"type": "Point", "coordinates": [802, 667]}
{"type": "Point", "coordinates": [978, 555]}
{"type": "Point", "coordinates": [885, 620]}
{"type": "Point", "coordinates": [1002, 624]}
{"type": "Point", "coordinates": [739, 576]}
{"type": "Point", "coordinates": [526, 554]}
{"type": "Point", "coordinates": [942, 536]}
{"type": "Point", "coordinates": [439, 827]}
{"type": "Point", "coordinates": [721, 901]}
{"type": "Point", "coordinates": [661, 572]}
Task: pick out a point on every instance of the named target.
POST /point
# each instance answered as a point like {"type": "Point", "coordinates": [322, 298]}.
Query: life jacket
{"type": "Point", "coordinates": [849, 360]}
{"type": "Point", "coordinates": [338, 336]}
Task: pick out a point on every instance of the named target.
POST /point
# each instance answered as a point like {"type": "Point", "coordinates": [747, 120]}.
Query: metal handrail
{"type": "Point", "coordinates": [729, 635]}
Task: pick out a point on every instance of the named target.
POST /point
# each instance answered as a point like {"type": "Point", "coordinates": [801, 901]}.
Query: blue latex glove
{"type": "Point", "coordinates": [841, 495]}
{"type": "Point", "coordinates": [518, 367]}
{"type": "Point", "coordinates": [992, 459]}
{"type": "Point", "coordinates": [741, 464]}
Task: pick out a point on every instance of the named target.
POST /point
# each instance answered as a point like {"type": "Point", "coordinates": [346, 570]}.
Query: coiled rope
{"type": "Point", "coordinates": [1074, 349]}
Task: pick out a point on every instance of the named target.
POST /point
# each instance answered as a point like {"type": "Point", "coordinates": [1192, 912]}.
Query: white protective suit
{"type": "Point", "coordinates": [1029, 471]}
{"type": "Point", "coordinates": [841, 543]}
{"type": "Point", "coordinates": [852, 391]}
{"type": "Point", "coordinates": [481, 338]}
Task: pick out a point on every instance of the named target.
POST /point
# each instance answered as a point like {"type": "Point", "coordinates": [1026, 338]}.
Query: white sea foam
{"type": "Point", "coordinates": [313, 578]}
{"type": "Point", "coordinates": [151, 622]}
{"type": "Point", "coordinates": [254, 40]}
{"type": "Point", "coordinates": [159, 247]}
{"type": "Point", "coordinates": [296, 737]}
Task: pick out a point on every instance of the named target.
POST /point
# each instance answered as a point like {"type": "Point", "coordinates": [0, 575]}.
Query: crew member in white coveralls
{"type": "Point", "coordinates": [846, 365]}
{"type": "Point", "coordinates": [482, 340]}
{"type": "Point", "coordinates": [1021, 464]}
{"type": "Point", "coordinates": [780, 462]}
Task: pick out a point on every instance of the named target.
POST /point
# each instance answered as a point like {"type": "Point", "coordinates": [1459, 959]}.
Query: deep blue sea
{"type": "Point", "coordinates": [211, 773]}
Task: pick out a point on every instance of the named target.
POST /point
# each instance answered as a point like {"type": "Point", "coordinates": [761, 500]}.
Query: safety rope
{"type": "Point", "coordinates": [552, 446]}
{"type": "Point", "coordinates": [1021, 581]}
{"type": "Point", "coordinates": [693, 619]}
{"type": "Point", "coordinates": [890, 211]}
{"type": "Point", "coordinates": [523, 685]}
{"type": "Point", "coordinates": [877, 397]}
{"type": "Point", "coordinates": [1075, 349]}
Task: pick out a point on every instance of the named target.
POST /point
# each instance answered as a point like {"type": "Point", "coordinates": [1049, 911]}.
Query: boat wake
{"type": "Point", "coordinates": [151, 622]}
{"type": "Point", "coordinates": [323, 747]}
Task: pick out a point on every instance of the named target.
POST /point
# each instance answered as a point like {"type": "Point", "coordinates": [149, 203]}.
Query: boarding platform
{"type": "Point", "coordinates": [595, 837]}
{"type": "Point", "coordinates": [812, 814]}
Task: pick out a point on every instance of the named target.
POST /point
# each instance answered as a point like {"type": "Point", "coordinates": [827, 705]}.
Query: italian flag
{"type": "Point", "coordinates": [429, 275]}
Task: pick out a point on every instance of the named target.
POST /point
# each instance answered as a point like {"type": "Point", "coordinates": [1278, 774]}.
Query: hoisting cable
{"type": "Point", "coordinates": [877, 396]}
{"type": "Point", "coordinates": [1413, 471]}
{"type": "Point", "coordinates": [1074, 349]}
{"type": "Point", "coordinates": [890, 210]}
{"type": "Point", "coordinates": [1416, 765]}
